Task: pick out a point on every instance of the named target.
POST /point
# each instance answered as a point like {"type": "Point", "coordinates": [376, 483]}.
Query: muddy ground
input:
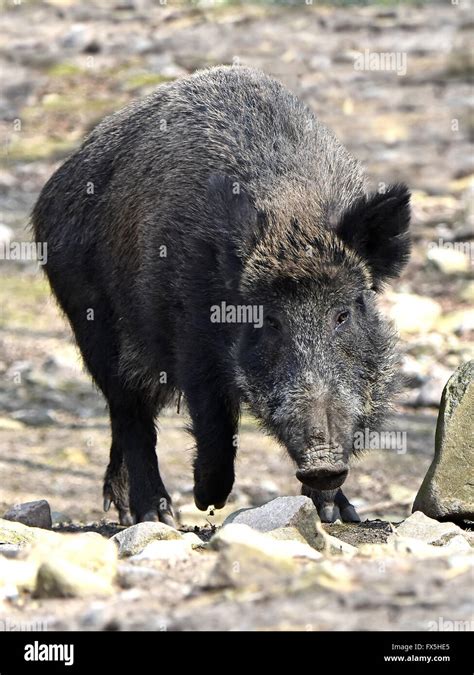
{"type": "Point", "coordinates": [84, 60]}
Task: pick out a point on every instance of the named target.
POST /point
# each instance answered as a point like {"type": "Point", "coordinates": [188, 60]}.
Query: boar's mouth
{"type": "Point", "coordinates": [324, 467]}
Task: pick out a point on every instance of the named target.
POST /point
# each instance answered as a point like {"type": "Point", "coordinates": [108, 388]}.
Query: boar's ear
{"type": "Point", "coordinates": [235, 219]}
{"type": "Point", "coordinates": [376, 227]}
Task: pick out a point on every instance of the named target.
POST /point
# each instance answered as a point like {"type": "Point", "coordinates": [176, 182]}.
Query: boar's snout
{"type": "Point", "coordinates": [323, 478]}
{"type": "Point", "coordinates": [323, 468]}
{"type": "Point", "coordinates": [323, 460]}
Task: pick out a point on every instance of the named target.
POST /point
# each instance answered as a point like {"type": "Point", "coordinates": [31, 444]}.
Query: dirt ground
{"type": "Point", "coordinates": [87, 59]}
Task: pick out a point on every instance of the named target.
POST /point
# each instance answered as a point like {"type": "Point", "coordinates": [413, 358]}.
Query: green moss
{"type": "Point", "coordinates": [9, 536]}
{"type": "Point", "coordinates": [65, 69]}
{"type": "Point", "coordinates": [25, 302]}
{"type": "Point", "coordinates": [24, 149]}
{"type": "Point", "coordinates": [77, 103]}
{"type": "Point", "coordinates": [141, 80]}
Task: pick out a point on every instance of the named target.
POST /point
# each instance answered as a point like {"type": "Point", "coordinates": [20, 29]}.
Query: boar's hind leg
{"type": "Point", "coordinates": [332, 505]}
{"type": "Point", "coordinates": [116, 488]}
{"type": "Point", "coordinates": [133, 453]}
{"type": "Point", "coordinates": [214, 426]}
{"type": "Point", "coordinates": [132, 480]}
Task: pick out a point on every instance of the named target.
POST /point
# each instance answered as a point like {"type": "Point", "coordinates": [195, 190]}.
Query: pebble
{"type": "Point", "coordinates": [133, 540]}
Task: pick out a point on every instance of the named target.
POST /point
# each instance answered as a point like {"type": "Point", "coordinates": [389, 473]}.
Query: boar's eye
{"type": "Point", "coordinates": [272, 322]}
{"type": "Point", "coordinates": [342, 318]}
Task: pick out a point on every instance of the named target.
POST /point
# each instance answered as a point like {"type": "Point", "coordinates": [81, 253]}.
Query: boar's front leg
{"type": "Point", "coordinates": [332, 505]}
{"type": "Point", "coordinates": [214, 426]}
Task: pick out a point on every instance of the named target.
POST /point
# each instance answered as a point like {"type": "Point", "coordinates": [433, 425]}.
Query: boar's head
{"type": "Point", "coordinates": [321, 363]}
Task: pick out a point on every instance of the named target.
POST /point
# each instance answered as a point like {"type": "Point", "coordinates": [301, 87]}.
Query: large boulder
{"type": "Point", "coordinates": [447, 492]}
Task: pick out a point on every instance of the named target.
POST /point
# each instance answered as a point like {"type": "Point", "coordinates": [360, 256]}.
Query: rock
{"type": "Point", "coordinates": [67, 565]}
{"type": "Point", "coordinates": [34, 514]}
{"type": "Point", "coordinates": [418, 526]}
{"type": "Point", "coordinates": [63, 579]}
{"type": "Point", "coordinates": [89, 550]}
{"type": "Point", "coordinates": [297, 512]}
{"type": "Point", "coordinates": [253, 560]}
{"type": "Point", "coordinates": [447, 492]}
{"type": "Point", "coordinates": [458, 544]}
{"type": "Point", "coordinates": [413, 313]}
{"type": "Point", "coordinates": [461, 563]}
{"type": "Point", "coordinates": [171, 550]}
{"type": "Point", "coordinates": [448, 259]}
{"type": "Point", "coordinates": [408, 547]}
{"type": "Point", "coordinates": [17, 534]}
{"type": "Point", "coordinates": [419, 549]}
{"type": "Point", "coordinates": [133, 540]}
{"type": "Point", "coordinates": [324, 542]}
{"type": "Point", "coordinates": [16, 575]}
{"type": "Point", "coordinates": [10, 550]}
{"type": "Point", "coordinates": [76, 565]}
{"type": "Point", "coordinates": [34, 418]}
{"type": "Point", "coordinates": [247, 558]}
{"type": "Point", "coordinates": [242, 537]}
{"type": "Point", "coordinates": [192, 539]}
{"type": "Point", "coordinates": [286, 533]}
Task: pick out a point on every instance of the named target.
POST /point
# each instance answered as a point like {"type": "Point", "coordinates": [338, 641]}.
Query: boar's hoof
{"type": "Point", "coordinates": [153, 516]}
{"type": "Point", "coordinates": [203, 507]}
{"type": "Point", "coordinates": [116, 492]}
{"type": "Point", "coordinates": [332, 505]}
{"type": "Point", "coordinates": [157, 516]}
{"type": "Point", "coordinates": [125, 517]}
{"type": "Point", "coordinates": [212, 488]}
{"type": "Point", "coordinates": [150, 517]}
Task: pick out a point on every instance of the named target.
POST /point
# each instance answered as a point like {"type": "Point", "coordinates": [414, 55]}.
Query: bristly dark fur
{"type": "Point", "coordinates": [224, 187]}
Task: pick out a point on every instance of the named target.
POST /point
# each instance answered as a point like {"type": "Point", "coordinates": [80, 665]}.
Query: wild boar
{"type": "Point", "coordinates": [216, 239]}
